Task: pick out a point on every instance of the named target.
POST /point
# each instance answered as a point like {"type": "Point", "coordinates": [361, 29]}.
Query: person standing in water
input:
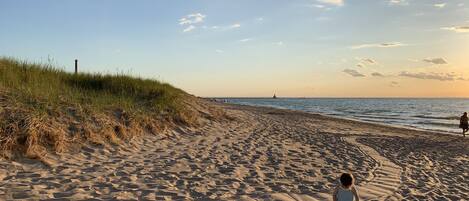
{"type": "Point", "coordinates": [464, 124]}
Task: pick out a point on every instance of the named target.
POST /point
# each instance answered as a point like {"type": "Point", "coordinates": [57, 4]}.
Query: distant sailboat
{"type": "Point", "coordinates": [274, 97]}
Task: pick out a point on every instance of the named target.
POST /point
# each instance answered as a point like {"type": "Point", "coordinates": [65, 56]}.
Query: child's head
{"type": "Point", "coordinates": [346, 180]}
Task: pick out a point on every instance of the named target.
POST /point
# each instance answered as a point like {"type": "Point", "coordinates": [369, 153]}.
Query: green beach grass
{"type": "Point", "coordinates": [44, 108]}
{"type": "Point", "coordinates": [50, 85]}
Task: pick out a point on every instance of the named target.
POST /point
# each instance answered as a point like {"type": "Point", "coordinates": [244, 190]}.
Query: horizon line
{"type": "Point", "coordinates": [325, 97]}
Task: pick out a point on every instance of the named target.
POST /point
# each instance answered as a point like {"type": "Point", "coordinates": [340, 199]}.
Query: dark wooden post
{"type": "Point", "coordinates": [76, 66]}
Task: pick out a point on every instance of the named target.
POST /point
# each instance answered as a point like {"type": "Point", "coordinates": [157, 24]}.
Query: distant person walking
{"type": "Point", "coordinates": [346, 191]}
{"type": "Point", "coordinates": [464, 124]}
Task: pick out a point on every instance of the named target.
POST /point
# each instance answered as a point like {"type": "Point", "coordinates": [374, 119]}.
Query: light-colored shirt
{"type": "Point", "coordinates": [345, 194]}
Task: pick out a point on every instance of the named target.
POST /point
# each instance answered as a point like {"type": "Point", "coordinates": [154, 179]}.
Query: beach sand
{"type": "Point", "coordinates": [263, 154]}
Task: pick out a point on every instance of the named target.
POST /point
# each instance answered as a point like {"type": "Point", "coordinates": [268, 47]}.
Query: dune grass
{"type": "Point", "coordinates": [45, 108]}
{"type": "Point", "coordinates": [44, 83]}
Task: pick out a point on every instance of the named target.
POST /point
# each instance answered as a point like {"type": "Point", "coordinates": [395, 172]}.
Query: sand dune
{"type": "Point", "coordinates": [265, 154]}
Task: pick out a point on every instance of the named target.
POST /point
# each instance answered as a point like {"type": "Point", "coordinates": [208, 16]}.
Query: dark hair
{"type": "Point", "coordinates": [346, 179]}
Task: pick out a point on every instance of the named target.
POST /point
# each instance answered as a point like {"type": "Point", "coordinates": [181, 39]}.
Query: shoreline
{"type": "Point", "coordinates": [439, 132]}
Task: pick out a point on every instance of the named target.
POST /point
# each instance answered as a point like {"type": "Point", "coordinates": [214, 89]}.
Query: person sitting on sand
{"type": "Point", "coordinates": [346, 190]}
{"type": "Point", "coordinates": [464, 124]}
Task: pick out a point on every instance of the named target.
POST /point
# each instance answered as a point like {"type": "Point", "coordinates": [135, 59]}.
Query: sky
{"type": "Point", "coordinates": [245, 48]}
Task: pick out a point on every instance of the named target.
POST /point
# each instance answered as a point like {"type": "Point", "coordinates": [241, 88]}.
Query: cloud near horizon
{"type": "Point", "coordinates": [437, 61]}
{"type": "Point", "coordinates": [432, 76]}
{"type": "Point", "coordinates": [394, 84]}
{"type": "Point", "coordinates": [376, 74]}
{"type": "Point", "coordinates": [353, 73]}
{"type": "Point", "coordinates": [378, 45]}
{"type": "Point", "coordinates": [458, 29]}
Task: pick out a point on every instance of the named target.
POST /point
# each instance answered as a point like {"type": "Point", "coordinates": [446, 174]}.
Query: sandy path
{"type": "Point", "coordinates": [385, 181]}
{"type": "Point", "coordinates": [432, 169]}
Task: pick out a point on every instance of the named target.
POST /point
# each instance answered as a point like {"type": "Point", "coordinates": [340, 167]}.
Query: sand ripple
{"type": "Point", "coordinates": [265, 154]}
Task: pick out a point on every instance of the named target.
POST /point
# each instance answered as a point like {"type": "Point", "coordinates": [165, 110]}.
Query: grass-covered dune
{"type": "Point", "coordinates": [44, 109]}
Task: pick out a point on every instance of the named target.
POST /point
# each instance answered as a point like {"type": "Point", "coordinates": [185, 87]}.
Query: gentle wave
{"type": "Point", "coordinates": [379, 117]}
{"type": "Point", "coordinates": [437, 117]}
{"type": "Point", "coordinates": [448, 125]}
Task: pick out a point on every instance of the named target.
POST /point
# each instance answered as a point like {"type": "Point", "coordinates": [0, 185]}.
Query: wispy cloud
{"type": "Point", "coordinates": [431, 76]}
{"type": "Point", "coordinates": [363, 62]}
{"type": "Point", "coordinates": [245, 40]}
{"type": "Point", "coordinates": [458, 29]}
{"type": "Point", "coordinates": [190, 20]}
{"type": "Point", "coordinates": [259, 20]}
{"type": "Point", "coordinates": [219, 51]}
{"type": "Point", "coordinates": [321, 6]}
{"type": "Point", "coordinates": [399, 2]}
{"type": "Point", "coordinates": [370, 61]}
{"type": "Point", "coordinates": [332, 2]}
{"type": "Point", "coordinates": [378, 45]}
{"type": "Point", "coordinates": [189, 28]}
{"type": "Point", "coordinates": [376, 74]}
{"type": "Point", "coordinates": [234, 26]}
{"type": "Point", "coordinates": [353, 73]}
{"type": "Point", "coordinates": [394, 84]}
{"type": "Point", "coordinates": [439, 5]}
{"type": "Point", "coordinates": [194, 18]}
{"type": "Point", "coordinates": [317, 6]}
{"type": "Point", "coordinates": [279, 43]}
{"type": "Point", "coordinates": [225, 27]}
{"type": "Point", "coordinates": [437, 61]}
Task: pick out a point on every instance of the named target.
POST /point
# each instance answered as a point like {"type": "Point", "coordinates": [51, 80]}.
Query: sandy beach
{"type": "Point", "coordinates": [262, 154]}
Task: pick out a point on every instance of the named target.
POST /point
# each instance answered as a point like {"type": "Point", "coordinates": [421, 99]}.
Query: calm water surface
{"type": "Point", "coordinates": [428, 114]}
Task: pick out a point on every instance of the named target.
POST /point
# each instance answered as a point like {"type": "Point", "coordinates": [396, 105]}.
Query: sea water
{"type": "Point", "coordinates": [428, 114]}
